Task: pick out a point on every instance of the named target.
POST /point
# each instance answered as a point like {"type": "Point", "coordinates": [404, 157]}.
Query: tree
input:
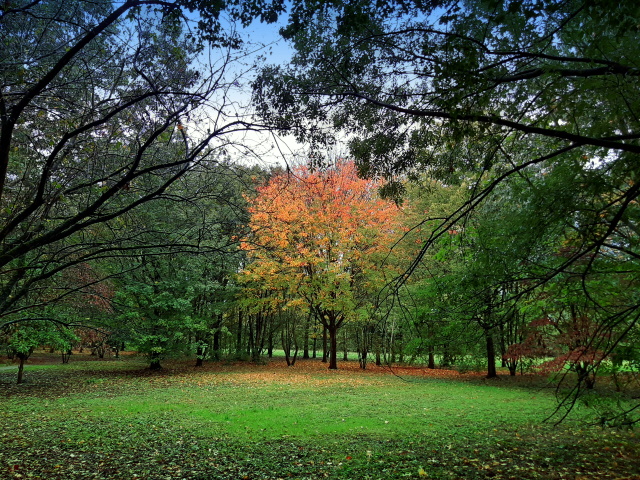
{"type": "Point", "coordinates": [321, 236]}
{"type": "Point", "coordinates": [103, 107]}
{"type": "Point", "coordinates": [445, 72]}
{"type": "Point", "coordinates": [172, 298]}
{"type": "Point", "coordinates": [24, 339]}
{"type": "Point", "coordinates": [482, 93]}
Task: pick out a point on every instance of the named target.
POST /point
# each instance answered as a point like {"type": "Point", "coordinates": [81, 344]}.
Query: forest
{"type": "Point", "coordinates": [454, 198]}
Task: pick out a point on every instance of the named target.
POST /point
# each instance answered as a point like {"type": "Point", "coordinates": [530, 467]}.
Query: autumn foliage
{"type": "Point", "coordinates": [88, 291]}
{"type": "Point", "coordinates": [319, 242]}
{"type": "Point", "coordinates": [573, 342]}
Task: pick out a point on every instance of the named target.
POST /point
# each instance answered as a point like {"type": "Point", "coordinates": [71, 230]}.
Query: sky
{"type": "Point", "coordinates": [266, 46]}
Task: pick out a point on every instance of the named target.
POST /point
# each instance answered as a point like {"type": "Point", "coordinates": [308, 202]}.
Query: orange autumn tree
{"type": "Point", "coordinates": [319, 241]}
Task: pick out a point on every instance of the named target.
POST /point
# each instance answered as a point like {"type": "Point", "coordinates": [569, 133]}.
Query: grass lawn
{"type": "Point", "coordinates": [117, 420]}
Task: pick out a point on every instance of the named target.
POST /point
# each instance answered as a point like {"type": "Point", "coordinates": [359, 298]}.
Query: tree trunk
{"type": "Point", "coordinates": [431, 362]}
{"type": "Point", "coordinates": [249, 335]}
{"type": "Point", "coordinates": [305, 345]}
{"type": "Point", "coordinates": [217, 333]}
{"type": "Point", "coordinates": [491, 355]}
{"type": "Point", "coordinates": [20, 368]}
{"type": "Point", "coordinates": [216, 345]}
{"type": "Point", "coordinates": [155, 362]}
{"type": "Point", "coordinates": [584, 376]}
{"type": "Point", "coordinates": [324, 345]}
{"type": "Point", "coordinates": [333, 352]}
{"type": "Point", "coordinates": [239, 335]}
{"type": "Point", "coordinates": [345, 355]}
{"type": "Point", "coordinates": [251, 348]}
{"type": "Point", "coordinates": [200, 355]}
{"type": "Point", "coordinates": [503, 346]}
{"type": "Point", "coordinates": [256, 340]}
{"type": "Point", "coordinates": [447, 360]}
{"type": "Point", "coordinates": [286, 346]}
{"type": "Point", "coordinates": [363, 341]}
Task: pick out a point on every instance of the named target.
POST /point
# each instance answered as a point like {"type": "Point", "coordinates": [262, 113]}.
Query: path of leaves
{"type": "Point", "coordinates": [313, 373]}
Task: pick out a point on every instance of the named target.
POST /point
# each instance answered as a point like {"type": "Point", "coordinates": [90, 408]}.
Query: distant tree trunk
{"type": "Point", "coordinates": [447, 358]}
{"type": "Point", "coordinates": [305, 344]}
{"type": "Point", "coordinates": [239, 335]}
{"type": "Point", "coordinates": [491, 354]}
{"type": "Point", "coordinates": [584, 375]}
{"type": "Point", "coordinates": [289, 341]}
{"type": "Point", "coordinates": [215, 354]}
{"type": "Point", "coordinates": [503, 347]}
{"type": "Point", "coordinates": [332, 321]}
{"type": "Point", "coordinates": [315, 346]}
{"type": "Point", "coordinates": [291, 359]}
{"type": "Point", "coordinates": [200, 351]}
{"type": "Point", "coordinates": [257, 335]}
{"type": "Point", "coordinates": [345, 355]}
{"type": "Point", "coordinates": [154, 364]}
{"type": "Point", "coordinates": [252, 349]}
{"type": "Point", "coordinates": [66, 354]}
{"type": "Point", "coordinates": [333, 351]}
{"type": "Point", "coordinates": [270, 345]}
{"type": "Point", "coordinates": [378, 358]}
{"type": "Point", "coordinates": [431, 362]}
{"type": "Point", "coordinates": [22, 357]}
{"type": "Point", "coordinates": [217, 333]}
{"type": "Point", "coordinates": [324, 344]}
{"type": "Point", "coordinates": [20, 370]}
{"type": "Point", "coordinates": [364, 338]}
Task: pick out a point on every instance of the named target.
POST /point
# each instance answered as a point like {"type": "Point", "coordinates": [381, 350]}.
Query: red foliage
{"type": "Point", "coordinates": [88, 289]}
{"type": "Point", "coordinates": [571, 342]}
{"type": "Point", "coordinates": [96, 341]}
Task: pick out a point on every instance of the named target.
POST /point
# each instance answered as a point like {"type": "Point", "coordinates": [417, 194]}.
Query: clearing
{"type": "Point", "coordinates": [115, 419]}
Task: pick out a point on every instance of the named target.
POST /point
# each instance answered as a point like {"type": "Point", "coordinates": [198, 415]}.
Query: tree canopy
{"type": "Point", "coordinates": [533, 105]}
{"type": "Point", "coordinates": [104, 106]}
{"type": "Point", "coordinates": [319, 241]}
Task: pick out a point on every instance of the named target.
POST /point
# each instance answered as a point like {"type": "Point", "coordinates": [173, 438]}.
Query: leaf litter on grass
{"type": "Point", "coordinates": [74, 425]}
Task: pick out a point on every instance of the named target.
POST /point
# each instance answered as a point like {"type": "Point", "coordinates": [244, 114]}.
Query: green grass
{"type": "Point", "coordinates": [117, 420]}
{"type": "Point", "coordinates": [268, 413]}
